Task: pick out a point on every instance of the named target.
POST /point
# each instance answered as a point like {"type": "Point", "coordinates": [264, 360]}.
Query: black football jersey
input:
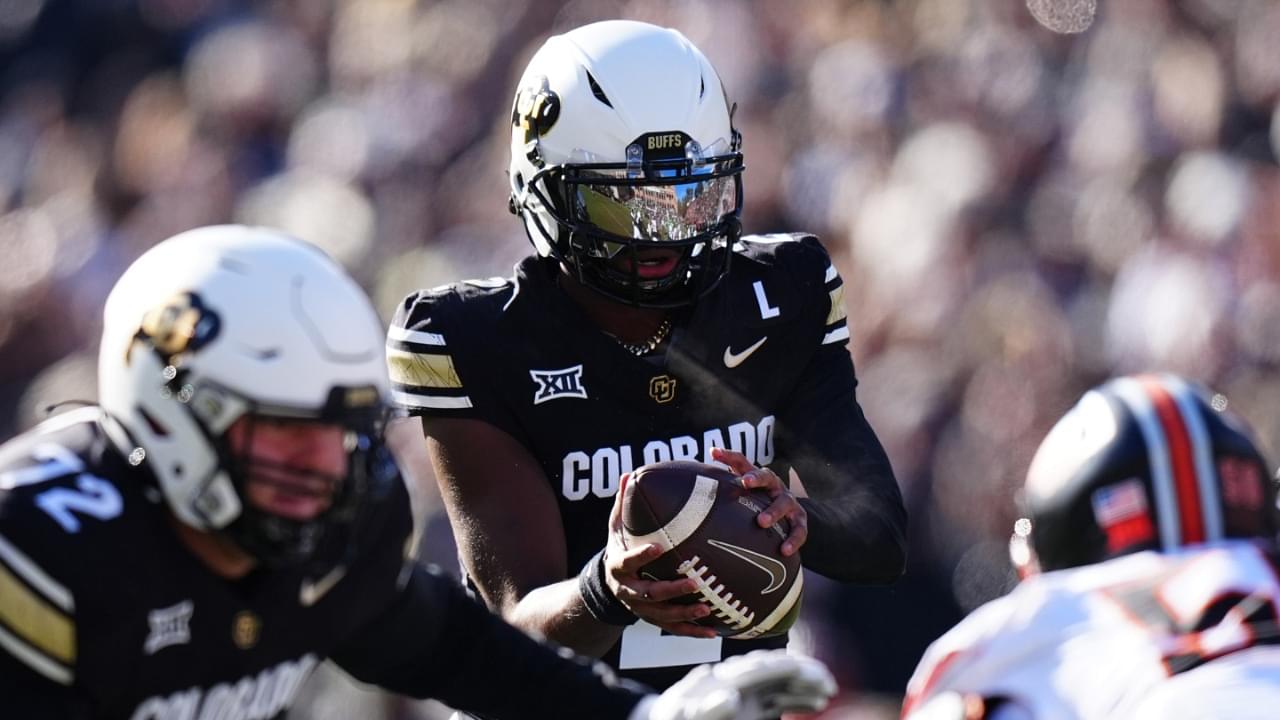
{"type": "Point", "coordinates": [755, 366]}
{"type": "Point", "coordinates": [105, 614]}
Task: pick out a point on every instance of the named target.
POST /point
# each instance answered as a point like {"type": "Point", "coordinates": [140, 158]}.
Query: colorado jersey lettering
{"type": "Point", "coordinates": [750, 367]}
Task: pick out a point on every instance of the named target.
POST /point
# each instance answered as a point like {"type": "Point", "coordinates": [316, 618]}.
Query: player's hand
{"type": "Point", "coordinates": [760, 684]}
{"type": "Point", "coordinates": [649, 599]}
{"type": "Point", "coordinates": [783, 505]}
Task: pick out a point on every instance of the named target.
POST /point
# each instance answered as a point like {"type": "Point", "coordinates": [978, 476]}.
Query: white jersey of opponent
{"type": "Point", "coordinates": [1092, 642]}
{"type": "Point", "coordinates": [1240, 686]}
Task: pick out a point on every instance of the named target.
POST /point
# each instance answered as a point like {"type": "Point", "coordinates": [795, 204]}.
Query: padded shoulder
{"type": "Point", "coordinates": [806, 265]}
{"type": "Point", "coordinates": [64, 503]}
{"type": "Point", "coordinates": [436, 331]}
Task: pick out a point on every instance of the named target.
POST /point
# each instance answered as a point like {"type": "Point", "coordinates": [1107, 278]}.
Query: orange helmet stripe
{"type": "Point", "coordinates": [1181, 459]}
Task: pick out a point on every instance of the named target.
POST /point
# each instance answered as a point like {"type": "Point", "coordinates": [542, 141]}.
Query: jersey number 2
{"type": "Point", "coordinates": [644, 646]}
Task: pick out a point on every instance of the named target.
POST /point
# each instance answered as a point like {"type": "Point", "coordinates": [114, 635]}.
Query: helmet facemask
{"type": "Point", "coordinates": [278, 540]}
{"type": "Point", "coordinates": [273, 539]}
{"type": "Point", "coordinates": [670, 195]}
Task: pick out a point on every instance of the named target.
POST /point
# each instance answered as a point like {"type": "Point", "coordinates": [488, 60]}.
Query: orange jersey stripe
{"type": "Point", "coordinates": [1183, 465]}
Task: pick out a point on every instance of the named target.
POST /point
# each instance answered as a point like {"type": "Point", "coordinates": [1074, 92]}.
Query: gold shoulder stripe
{"type": "Point", "coordinates": [45, 627]}
{"type": "Point", "coordinates": [397, 333]}
{"type": "Point", "coordinates": [838, 311]}
{"type": "Point", "coordinates": [422, 370]}
{"type": "Point", "coordinates": [28, 570]}
{"type": "Point", "coordinates": [34, 658]}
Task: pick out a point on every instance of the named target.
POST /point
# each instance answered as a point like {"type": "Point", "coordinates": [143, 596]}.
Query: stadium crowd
{"type": "Point", "coordinates": [1017, 214]}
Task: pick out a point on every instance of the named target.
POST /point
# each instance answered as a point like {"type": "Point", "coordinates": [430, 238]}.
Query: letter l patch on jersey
{"type": "Point", "coordinates": [766, 310]}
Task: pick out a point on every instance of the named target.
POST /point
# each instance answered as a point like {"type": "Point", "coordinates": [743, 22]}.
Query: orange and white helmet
{"type": "Point", "coordinates": [1147, 462]}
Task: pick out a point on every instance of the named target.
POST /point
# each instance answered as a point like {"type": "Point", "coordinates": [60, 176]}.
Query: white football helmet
{"type": "Point", "coordinates": [224, 321]}
{"type": "Point", "coordinates": [622, 139]}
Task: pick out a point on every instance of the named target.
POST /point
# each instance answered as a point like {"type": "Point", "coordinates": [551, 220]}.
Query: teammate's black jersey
{"type": "Point", "coordinates": [760, 366]}
{"type": "Point", "coordinates": [105, 614]}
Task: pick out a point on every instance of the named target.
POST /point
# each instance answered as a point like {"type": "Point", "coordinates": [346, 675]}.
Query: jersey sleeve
{"type": "Point", "coordinates": [421, 635]}
{"type": "Point", "coordinates": [38, 638]}
{"type": "Point", "coordinates": [439, 361]}
{"type": "Point", "coordinates": [434, 641]}
{"type": "Point", "coordinates": [856, 515]}
{"type": "Point", "coordinates": [835, 329]}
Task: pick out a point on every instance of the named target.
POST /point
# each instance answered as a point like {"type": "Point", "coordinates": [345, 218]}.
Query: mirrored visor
{"type": "Point", "coordinates": [654, 209]}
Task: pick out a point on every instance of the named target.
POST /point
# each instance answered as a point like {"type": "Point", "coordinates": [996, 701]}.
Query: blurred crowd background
{"type": "Point", "coordinates": [1017, 213]}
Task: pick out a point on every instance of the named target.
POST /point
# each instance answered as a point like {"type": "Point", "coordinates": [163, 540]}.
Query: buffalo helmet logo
{"type": "Point", "coordinates": [536, 110]}
{"type": "Point", "coordinates": [182, 324]}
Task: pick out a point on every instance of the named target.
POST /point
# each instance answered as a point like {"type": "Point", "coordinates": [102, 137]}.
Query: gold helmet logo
{"type": "Point", "coordinates": [536, 110]}
{"type": "Point", "coordinates": [182, 324]}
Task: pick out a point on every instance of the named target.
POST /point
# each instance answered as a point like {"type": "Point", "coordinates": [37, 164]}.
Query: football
{"type": "Point", "coordinates": [705, 520]}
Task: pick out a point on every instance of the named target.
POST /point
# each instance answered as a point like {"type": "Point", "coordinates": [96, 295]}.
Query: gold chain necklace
{"type": "Point", "coordinates": [641, 349]}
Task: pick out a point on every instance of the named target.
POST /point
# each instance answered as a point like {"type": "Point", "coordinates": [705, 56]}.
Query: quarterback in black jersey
{"type": "Point", "coordinates": [626, 340]}
{"type": "Point", "coordinates": [230, 516]}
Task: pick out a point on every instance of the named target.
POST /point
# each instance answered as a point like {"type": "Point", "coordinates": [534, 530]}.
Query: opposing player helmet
{"type": "Point", "coordinates": [1148, 462]}
{"type": "Point", "coordinates": [622, 139]}
{"type": "Point", "coordinates": [224, 322]}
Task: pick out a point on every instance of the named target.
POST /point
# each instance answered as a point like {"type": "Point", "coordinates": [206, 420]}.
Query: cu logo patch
{"type": "Point", "coordinates": [245, 629]}
{"type": "Point", "coordinates": [552, 384]}
{"type": "Point", "coordinates": [662, 389]}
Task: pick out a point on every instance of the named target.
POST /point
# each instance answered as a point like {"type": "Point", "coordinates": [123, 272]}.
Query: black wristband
{"type": "Point", "coordinates": [599, 599]}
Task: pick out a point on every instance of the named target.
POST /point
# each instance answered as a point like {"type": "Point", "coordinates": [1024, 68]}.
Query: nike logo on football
{"type": "Point", "coordinates": [311, 592]}
{"type": "Point", "coordinates": [776, 571]}
{"type": "Point", "coordinates": [732, 359]}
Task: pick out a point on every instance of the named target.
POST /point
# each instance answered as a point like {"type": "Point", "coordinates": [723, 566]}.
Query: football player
{"type": "Point", "coordinates": [230, 516]}
{"type": "Point", "coordinates": [644, 327]}
{"type": "Point", "coordinates": [1148, 552]}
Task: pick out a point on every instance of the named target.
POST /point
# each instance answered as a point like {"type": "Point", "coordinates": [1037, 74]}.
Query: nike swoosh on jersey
{"type": "Point", "coordinates": [311, 592]}
{"type": "Point", "coordinates": [776, 571]}
{"type": "Point", "coordinates": [732, 359]}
